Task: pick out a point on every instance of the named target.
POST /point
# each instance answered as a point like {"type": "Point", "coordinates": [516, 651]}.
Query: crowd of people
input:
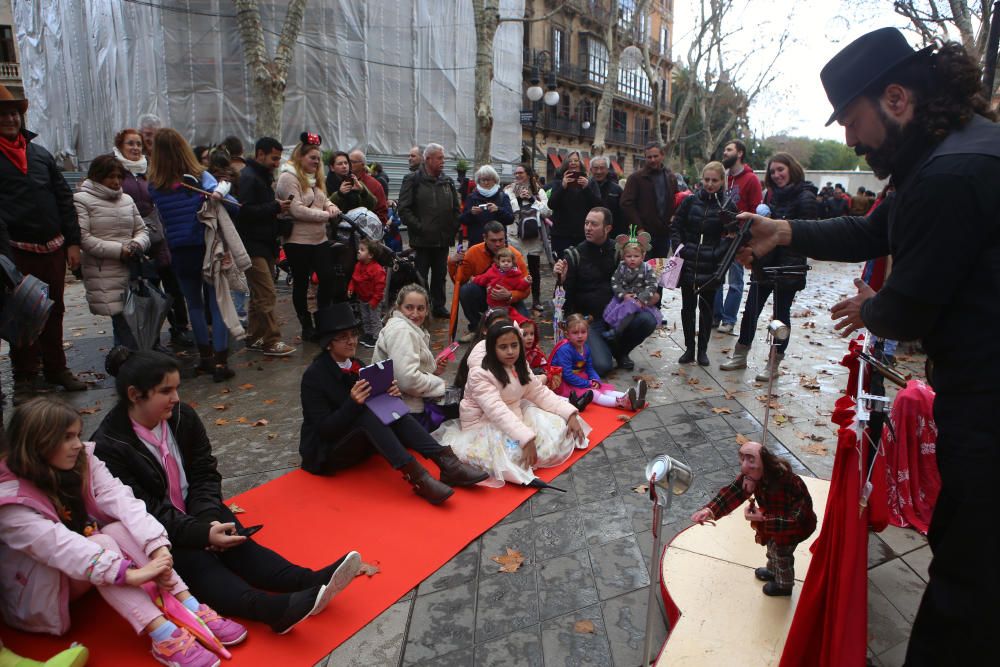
{"type": "Point", "coordinates": [142, 503]}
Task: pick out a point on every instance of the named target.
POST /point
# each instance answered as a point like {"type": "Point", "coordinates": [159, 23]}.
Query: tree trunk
{"type": "Point", "coordinates": [269, 77]}
{"type": "Point", "coordinates": [486, 14]}
{"type": "Point", "coordinates": [653, 75]}
{"type": "Point", "coordinates": [603, 115]}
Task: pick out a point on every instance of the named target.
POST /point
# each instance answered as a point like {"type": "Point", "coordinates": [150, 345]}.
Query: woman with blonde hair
{"type": "Point", "coordinates": [171, 161]}
{"type": "Point", "coordinates": [306, 247]}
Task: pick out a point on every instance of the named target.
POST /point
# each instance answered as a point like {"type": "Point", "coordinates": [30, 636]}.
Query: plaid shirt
{"type": "Point", "coordinates": [785, 504]}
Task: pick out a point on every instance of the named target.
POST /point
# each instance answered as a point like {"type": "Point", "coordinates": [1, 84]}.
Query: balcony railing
{"type": "Point", "coordinates": [10, 71]}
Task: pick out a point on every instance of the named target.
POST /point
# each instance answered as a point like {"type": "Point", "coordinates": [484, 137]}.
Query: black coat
{"type": "Point", "coordinates": [257, 222]}
{"type": "Point", "coordinates": [588, 278]}
{"type": "Point", "coordinates": [328, 413]}
{"type": "Point", "coordinates": [611, 194]}
{"type": "Point", "coordinates": [699, 227]}
{"type": "Point", "coordinates": [794, 202]}
{"type": "Point", "coordinates": [38, 206]}
{"type": "Point", "coordinates": [474, 223]}
{"type": "Point", "coordinates": [131, 462]}
{"type": "Point", "coordinates": [570, 207]}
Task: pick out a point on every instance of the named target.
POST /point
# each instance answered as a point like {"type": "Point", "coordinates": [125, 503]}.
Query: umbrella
{"type": "Point", "coordinates": [145, 310]}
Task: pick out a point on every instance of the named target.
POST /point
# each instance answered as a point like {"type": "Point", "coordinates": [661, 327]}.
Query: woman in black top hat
{"type": "Point", "coordinates": [338, 431]}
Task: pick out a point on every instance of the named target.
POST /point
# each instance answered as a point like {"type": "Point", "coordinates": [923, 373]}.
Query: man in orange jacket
{"type": "Point", "coordinates": [463, 267]}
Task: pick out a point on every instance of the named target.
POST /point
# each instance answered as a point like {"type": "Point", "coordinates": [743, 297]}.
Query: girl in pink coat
{"type": "Point", "coordinates": [511, 423]}
{"type": "Point", "coordinates": [66, 524]}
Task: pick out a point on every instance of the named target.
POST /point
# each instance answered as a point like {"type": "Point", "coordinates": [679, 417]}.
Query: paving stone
{"type": "Point", "coordinates": [638, 509]}
{"type": "Point", "coordinates": [687, 435]}
{"type": "Point", "coordinates": [742, 421]}
{"type": "Point", "coordinates": [670, 529]}
{"type": "Point", "coordinates": [595, 458]}
{"type": "Point", "coordinates": [605, 520]}
{"type": "Point", "coordinates": [645, 419]}
{"type": "Point", "coordinates": [441, 623]}
{"type": "Point", "coordinates": [715, 428]}
{"type": "Point", "coordinates": [522, 512]}
{"type": "Point", "coordinates": [594, 484]}
{"type": "Point", "coordinates": [519, 535]}
{"type": "Point", "coordinates": [920, 560]}
{"type": "Point", "coordinates": [894, 657]}
{"type": "Point", "coordinates": [461, 658]}
{"type": "Point", "coordinates": [886, 626]}
{"type": "Point", "coordinates": [378, 643]}
{"type": "Point", "coordinates": [561, 645]}
{"type": "Point", "coordinates": [673, 414]}
{"type": "Point", "coordinates": [559, 533]}
{"type": "Point", "coordinates": [459, 570]}
{"type": "Point", "coordinates": [705, 458]}
{"type": "Point", "coordinates": [506, 602]}
{"type": "Point", "coordinates": [629, 474]}
{"type": "Point", "coordinates": [900, 585]}
{"type": "Point", "coordinates": [699, 409]}
{"type": "Point", "coordinates": [621, 445]}
{"type": "Point", "coordinates": [522, 648]}
{"type": "Point", "coordinates": [565, 584]}
{"type": "Point", "coordinates": [878, 551]}
{"type": "Point", "coordinates": [657, 441]}
{"type": "Point", "coordinates": [902, 540]}
{"type": "Point", "coordinates": [625, 622]}
{"type": "Point", "coordinates": [618, 567]}
{"type": "Point", "coordinates": [548, 501]}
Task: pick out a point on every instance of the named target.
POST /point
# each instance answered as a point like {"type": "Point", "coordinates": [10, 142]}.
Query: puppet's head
{"type": "Point", "coordinates": [757, 462]}
{"type": "Point", "coordinates": [634, 239]}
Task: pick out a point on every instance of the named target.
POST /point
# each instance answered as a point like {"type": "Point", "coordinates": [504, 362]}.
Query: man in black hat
{"type": "Point", "coordinates": [919, 117]}
{"type": "Point", "coordinates": [339, 431]}
{"type": "Point", "coordinates": [41, 234]}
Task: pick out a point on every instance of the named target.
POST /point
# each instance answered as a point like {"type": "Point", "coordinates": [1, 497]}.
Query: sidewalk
{"type": "Point", "coordinates": [587, 550]}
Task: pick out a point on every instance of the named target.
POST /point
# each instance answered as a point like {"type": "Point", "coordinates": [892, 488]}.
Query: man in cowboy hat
{"type": "Point", "coordinates": [920, 118]}
{"type": "Point", "coordinates": [39, 219]}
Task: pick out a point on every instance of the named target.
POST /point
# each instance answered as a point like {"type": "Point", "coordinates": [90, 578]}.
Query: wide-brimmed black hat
{"type": "Point", "coordinates": [862, 63]}
{"type": "Point", "coordinates": [332, 320]}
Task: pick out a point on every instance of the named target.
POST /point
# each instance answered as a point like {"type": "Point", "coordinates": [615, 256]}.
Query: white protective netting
{"type": "Point", "coordinates": [377, 74]}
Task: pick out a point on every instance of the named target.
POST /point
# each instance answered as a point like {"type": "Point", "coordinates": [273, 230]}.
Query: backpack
{"type": "Point", "coordinates": [26, 305]}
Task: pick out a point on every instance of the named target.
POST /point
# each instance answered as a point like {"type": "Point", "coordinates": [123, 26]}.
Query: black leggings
{"type": "Point", "coordinates": [392, 442]}
{"type": "Point", "coordinates": [705, 302]}
{"type": "Point", "coordinates": [305, 260]}
{"type": "Point", "coordinates": [756, 299]}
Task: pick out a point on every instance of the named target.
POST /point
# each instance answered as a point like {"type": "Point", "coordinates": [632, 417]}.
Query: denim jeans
{"type": "Point", "coordinates": [605, 352]}
{"type": "Point", "coordinates": [727, 311]}
{"type": "Point", "coordinates": [187, 267]}
{"type": "Point", "coordinates": [122, 332]}
{"type": "Point", "coordinates": [756, 299]}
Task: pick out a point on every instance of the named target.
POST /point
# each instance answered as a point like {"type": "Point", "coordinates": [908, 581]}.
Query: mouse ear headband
{"type": "Point", "coordinates": [310, 139]}
{"type": "Point", "coordinates": [641, 240]}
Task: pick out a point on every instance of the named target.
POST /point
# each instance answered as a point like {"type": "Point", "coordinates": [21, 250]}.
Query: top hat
{"type": "Point", "coordinates": [862, 63]}
{"type": "Point", "coordinates": [332, 320]}
{"type": "Point", "coordinates": [7, 98]}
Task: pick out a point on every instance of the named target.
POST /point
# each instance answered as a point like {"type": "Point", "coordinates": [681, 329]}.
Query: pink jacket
{"type": "Point", "coordinates": [486, 402]}
{"type": "Point", "coordinates": [38, 554]}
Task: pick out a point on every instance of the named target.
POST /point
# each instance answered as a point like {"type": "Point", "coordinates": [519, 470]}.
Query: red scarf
{"type": "Point", "coordinates": [16, 151]}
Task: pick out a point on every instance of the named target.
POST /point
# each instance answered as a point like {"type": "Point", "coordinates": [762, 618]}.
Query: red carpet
{"type": "Point", "coordinates": [312, 520]}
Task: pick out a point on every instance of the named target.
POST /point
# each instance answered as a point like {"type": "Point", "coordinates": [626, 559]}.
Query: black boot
{"type": "Point", "coordinates": [688, 355]}
{"type": "Point", "coordinates": [703, 346]}
{"type": "Point", "coordinates": [703, 357]}
{"type": "Point", "coordinates": [582, 401]}
{"type": "Point", "coordinates": [221, 371]}
{"type": "Point", "coordinates": [535, 271]}
{"type": "Point", "coordinates": [424, 485]}
{"type": "Point", "coordinates": [207, 360]}
{"type": "Point", "coordinates": [308, 328]}
{"type": "Point", "coordinates": [455, 472]}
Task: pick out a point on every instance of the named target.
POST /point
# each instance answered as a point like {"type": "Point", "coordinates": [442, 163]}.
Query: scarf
{"type": "Point", "coordinates": [488, 193]}
{"type": "Point", "coordinates": [16, 151]}
{"type": "Point", "coordinates": [135, 167]}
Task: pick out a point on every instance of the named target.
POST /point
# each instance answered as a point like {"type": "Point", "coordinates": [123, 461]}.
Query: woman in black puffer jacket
{"type": "Point", "coordinates": [698, 226]}
{"type": "Point", "coordinates": [790, 197]}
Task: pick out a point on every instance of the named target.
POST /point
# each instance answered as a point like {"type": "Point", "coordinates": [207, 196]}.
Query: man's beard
{"type": "Point", "coordinates": [882, 159]}
{"type": "Point", "coordinates": [728, 162]}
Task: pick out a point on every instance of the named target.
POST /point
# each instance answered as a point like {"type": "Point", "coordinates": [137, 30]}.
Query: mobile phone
{"type": "Point", "coordinates": [247, 531]}
{"type": "Point", "coordinates": [448, 352]}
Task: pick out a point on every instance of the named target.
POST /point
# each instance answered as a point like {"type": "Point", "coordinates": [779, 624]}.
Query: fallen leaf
{"type": "Point", "coordinates": [694, 381]}
{"type": "Point", "coordinates": [657, 354]}
{"type": "Point", "coordinates": [641, 489]}
{"type": "Point", "coordinates": [623, 418]}
{"type": "Point", "coordinates": [221, 422]}
{"type": "Point", "coordinates": [88, 411]}
{"type": "Point", "coordinates": [810, 383]}
{"type": "Point", "coordinates": [261, 422]}
{"type": "Point", "coordinates": [242, 420]}
{"type": "Point", "coordinates": [270, 401]}
{"type": "Point", "coordinates": [818, 450]}
{"type": "Point", "coordinates": [272, 436]}
{"type": "Point", "coordinates": [221, 406]}
{"type": "Point", "coordinates": [584, 627]}
{"type": "Point", "coordinates": [722, 411]}
{"type": "Point", "coordinates": [510, 561]}
{"type": "Point", "coordinates": [728, 396]}
{"type": "Point", "coordinates": [194, 404]}
{"type": "Point", "coordinates": [707, 390]}
{"type": "Point", "coordinates": [780, 420]}
{"type": "Point", "coordinates": [225, 390]}
{"type": "Point", "coordinates": [236, 509]}
{"type": "Point", "coordinates": [741, 439]}
{"type": "Point", "coordinates": [371, 569]}
{"type": "Point", "coordinates": [681, 372]}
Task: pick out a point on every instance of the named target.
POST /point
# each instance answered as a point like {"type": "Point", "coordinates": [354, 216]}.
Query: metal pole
{"type": "Point", "coordinates": [770, 386]}
{"type": "Point", "coordinates": [990, 58]}
{"type": "Point", "coordinates": [534, 136]}
{"type": "Point", "coordinates": [654, 573]}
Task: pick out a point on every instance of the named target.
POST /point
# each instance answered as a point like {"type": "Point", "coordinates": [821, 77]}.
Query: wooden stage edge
{"type": "Point", "coordinates": [725, 617]}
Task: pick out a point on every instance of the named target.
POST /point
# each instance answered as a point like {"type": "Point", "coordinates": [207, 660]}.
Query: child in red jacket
{"type": "Point", "coordinates": [504, 273]}
{"type": "Point", "coordinates": [368, 284]}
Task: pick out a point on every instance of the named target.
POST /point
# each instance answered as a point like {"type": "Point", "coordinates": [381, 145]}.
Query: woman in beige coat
{"type": "Point", "coordinates": [111, 233]}
{"type": "Point", "coordinates": [307, 248]}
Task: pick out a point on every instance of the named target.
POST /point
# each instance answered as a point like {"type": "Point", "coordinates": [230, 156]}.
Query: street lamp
{"type": "Point", "coordinates": [536, 95]}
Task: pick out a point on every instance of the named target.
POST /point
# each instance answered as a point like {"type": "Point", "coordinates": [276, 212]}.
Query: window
{"type": "Point", "coordinates": [634, 84]}
{"type": "Point", "coordinates": [619, 121]}
{"type": "Point", "coordinates": [626, 10]}
{"type": "Point", "coordinates": [560, 49]}
{"type": "Point", "coordinates": [7, 53]}
{"type": "Point", "coordinates": [564, 105]}
{"type": "Point", "coordinates": [664, 40]}
{"type": "Point", "coordinates": [644, 133]}
{"type": "Point", "coordinates": [594, 56]}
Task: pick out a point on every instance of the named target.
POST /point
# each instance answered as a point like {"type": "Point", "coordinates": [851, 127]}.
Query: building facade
{"type": "Point", "coordinates": [571, 43]}
{"type": "Point", "coordinates": [10, 62]}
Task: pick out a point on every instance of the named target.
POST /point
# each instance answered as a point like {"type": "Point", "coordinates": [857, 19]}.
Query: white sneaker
{"type": "Point", "coordinates": [726, 328]}
{"type": "Point", "coordinates": [278, 349]}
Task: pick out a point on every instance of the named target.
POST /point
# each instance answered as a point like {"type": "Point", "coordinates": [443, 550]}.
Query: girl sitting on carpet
{"type": "Point", "coordinates": [538, 361]}
{"type": "Point", "coordinates": [66, 523]}
{"type": "Point", "coordinates": [572, 354]}
{"type": "Point", "coordinates": [157, 445]}
{"type": "Point", "coordinates": [511, 423]}
{"type": "Point", "coordinates": [406, 341]}
{"type": "Point", "coordinates": [339, 431]}
{"type": "Point", "coordinates": [477, 351]}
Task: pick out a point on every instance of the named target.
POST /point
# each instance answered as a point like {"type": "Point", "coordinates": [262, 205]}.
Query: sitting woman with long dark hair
{"type": "Point", "coordinates": [157, 445]}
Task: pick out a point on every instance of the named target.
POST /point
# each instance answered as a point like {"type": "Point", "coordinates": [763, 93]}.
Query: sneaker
{"type": "Point", "coordinates": [229, 633]}
{"type": "Point", "coordinates": [341, 577]}
{"type": "Point", "coordinates": [256, 346]}
{"type": "Point", "coordinates": [300, 607]}
{"type": "Point", "coordinates": [181, 650]}
{"type": "Point", "coordinates": [640, 393]}
{"type": "Point", "coordinates": [278, 349]}
{"type": "Point", "coordinates": [726, 328]}
{"type": "Point", "coordinates": [368, 341]}
{"type": "Point", "coordinates": [773, 590]}
{"type": "Point", "coordinates": [65, 379]}
{"type": "Point", "coordinates": [467, 337]}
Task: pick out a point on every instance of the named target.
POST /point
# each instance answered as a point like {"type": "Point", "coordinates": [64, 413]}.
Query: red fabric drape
{"type": "Point", "coordinates": [912, 475]}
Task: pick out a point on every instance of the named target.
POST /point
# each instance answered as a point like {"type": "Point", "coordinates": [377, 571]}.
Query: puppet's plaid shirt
{"type": "Point", "coordinates": [785, 504]}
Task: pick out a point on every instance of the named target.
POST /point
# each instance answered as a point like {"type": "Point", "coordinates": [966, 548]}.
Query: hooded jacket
{"type": "Point", "coordinates": [793, 202]}
{"type": "Point", "coordinates": [744, 188]}
{"type": "Point", "coordinates": [108, 222]}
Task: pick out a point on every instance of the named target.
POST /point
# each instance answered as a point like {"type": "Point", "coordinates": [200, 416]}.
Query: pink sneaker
{"type": "Point", "coordinates": [181, 650]}
{"type": "Point", "coordinates": [229, 633]}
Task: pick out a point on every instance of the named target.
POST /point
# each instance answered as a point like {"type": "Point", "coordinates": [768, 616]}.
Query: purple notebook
{"type": "Point", "coordinates": [380, 376]}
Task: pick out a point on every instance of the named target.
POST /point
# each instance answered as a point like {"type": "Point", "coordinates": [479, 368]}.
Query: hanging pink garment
{"type": "Point", "coordinates": [911, 462]}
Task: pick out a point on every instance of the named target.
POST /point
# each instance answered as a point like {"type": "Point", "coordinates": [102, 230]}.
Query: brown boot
{"type": "Point", "coordinates": [65, 379]}
{"type": "Point", "coordinates": [424, 485]}
{"type": "Point", "coordinates": [455, 472]}
{"type": "Point", "coordinates": [207, 359]}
